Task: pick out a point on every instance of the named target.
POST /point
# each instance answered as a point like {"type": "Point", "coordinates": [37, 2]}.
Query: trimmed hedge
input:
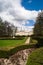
{"type": "Point", "coordinates": [11, 38]}
{"type": "Point", "coordinates": [7, 54]}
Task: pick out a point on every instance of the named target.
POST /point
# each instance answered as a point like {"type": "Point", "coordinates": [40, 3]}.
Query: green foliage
{"type": "Point", "coordinates": [38, 27]}
{"type": "Point", "coordinates": [38, 40]}
{"type": "Point", "coordinates": [36, 58]}
{"type": "Point", "coordinates": [7, 29]}
{"type": "Point", "coordinates": [8, 53]}
{"type": "Point", "coordinates": [33, 41]}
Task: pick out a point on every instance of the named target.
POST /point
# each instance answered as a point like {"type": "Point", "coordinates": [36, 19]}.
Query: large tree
{"type": "Point", "coordinates": [6, 29]}
{"type": "Point", "coordinates": [38, 27]}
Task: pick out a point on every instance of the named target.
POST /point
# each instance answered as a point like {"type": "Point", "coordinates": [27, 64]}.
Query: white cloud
{"type": "Point", "coordinates": [14, 12]}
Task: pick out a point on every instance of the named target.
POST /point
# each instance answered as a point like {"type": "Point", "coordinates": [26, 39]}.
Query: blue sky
{"type": "Point", "coordinates": [32, 5]}
{"type": "Point", "coordinates": [31, 23]}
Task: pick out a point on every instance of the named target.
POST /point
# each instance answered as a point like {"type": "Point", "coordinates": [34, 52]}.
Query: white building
{"type": "Point", "coordinates": [24, 33]}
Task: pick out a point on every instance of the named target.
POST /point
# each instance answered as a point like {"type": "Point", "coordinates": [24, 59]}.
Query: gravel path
{"type": "Point", "coordinates": [20, 58]}
{"type": "Point", "coordinates": [27, 41]}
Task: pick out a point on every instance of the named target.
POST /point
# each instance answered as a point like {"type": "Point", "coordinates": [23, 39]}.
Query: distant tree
{"type": "Point", "coordinates": [14, 30]}
{"type": "Point", "coordinates": [7, 29]}
{"type": "Point", "coordinates": [1, 27]}
{"type": "Point", "coordinates": [38, 27]}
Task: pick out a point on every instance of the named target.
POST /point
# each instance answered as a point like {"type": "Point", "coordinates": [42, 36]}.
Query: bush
{"type": "Point", "coordinates": [7, 54]}
{"type": "Point", "coordinates": [11, 38]}
{"type": "Point", "coordinates": [38, 40]}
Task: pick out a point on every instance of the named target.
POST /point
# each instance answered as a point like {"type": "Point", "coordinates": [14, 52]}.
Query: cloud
{"type": "Point", "coordinates": [14, 12]}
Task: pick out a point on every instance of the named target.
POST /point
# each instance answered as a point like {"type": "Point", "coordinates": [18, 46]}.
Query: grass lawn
{"type": "Point", "coordinates": [7, 44]}
{"type": "Point", "coordinates": [36, 58]}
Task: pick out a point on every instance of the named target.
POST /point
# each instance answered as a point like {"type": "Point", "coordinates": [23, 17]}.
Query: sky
{"type": "Point", "coordinates": [33, 4]}
{"type": "Point", "coordinates": [21, 13]}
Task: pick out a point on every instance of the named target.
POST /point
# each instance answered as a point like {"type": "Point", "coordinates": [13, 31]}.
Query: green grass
{"type": "Point", "coordinates": [7, 44]}
{"type": "Point", "coordinates": [36, 58]}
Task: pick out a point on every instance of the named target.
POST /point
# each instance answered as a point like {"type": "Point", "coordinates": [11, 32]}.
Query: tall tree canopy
{"type": "Point", "coordinates": [6, 29]}
{"type": "Point", "coordinates": [38, 27]}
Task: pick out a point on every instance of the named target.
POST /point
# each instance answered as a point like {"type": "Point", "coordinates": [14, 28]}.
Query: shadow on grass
{"type": "Point", "coordinates": [39, 39]}
{"type": "Point", "coordinates": [40, 42]}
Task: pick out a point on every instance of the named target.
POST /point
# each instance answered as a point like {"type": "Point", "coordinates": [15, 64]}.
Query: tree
{"type": "Point", "coordinates": [7, 29]}
{"type": "Point", "coordinates": [38, 27]}
{"type": "Point", "coordinates": [1, 27]}
{"type": "Point", "coordinates": [14, 30]}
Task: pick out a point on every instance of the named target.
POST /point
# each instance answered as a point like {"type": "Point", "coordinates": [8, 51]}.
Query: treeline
{"type": "Point", "coordinates": [38, 27]}
{"type": "Point", "coordinates": [7, 29]}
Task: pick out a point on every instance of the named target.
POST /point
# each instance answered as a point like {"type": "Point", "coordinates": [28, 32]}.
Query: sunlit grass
{"type": "Point", "coordinates": [36, 58]}
{"type": "Point", "coordinates": [7, 44]}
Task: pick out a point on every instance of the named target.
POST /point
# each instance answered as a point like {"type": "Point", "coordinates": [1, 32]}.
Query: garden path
{"type": "Point", "coordinates": [28, 40]}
